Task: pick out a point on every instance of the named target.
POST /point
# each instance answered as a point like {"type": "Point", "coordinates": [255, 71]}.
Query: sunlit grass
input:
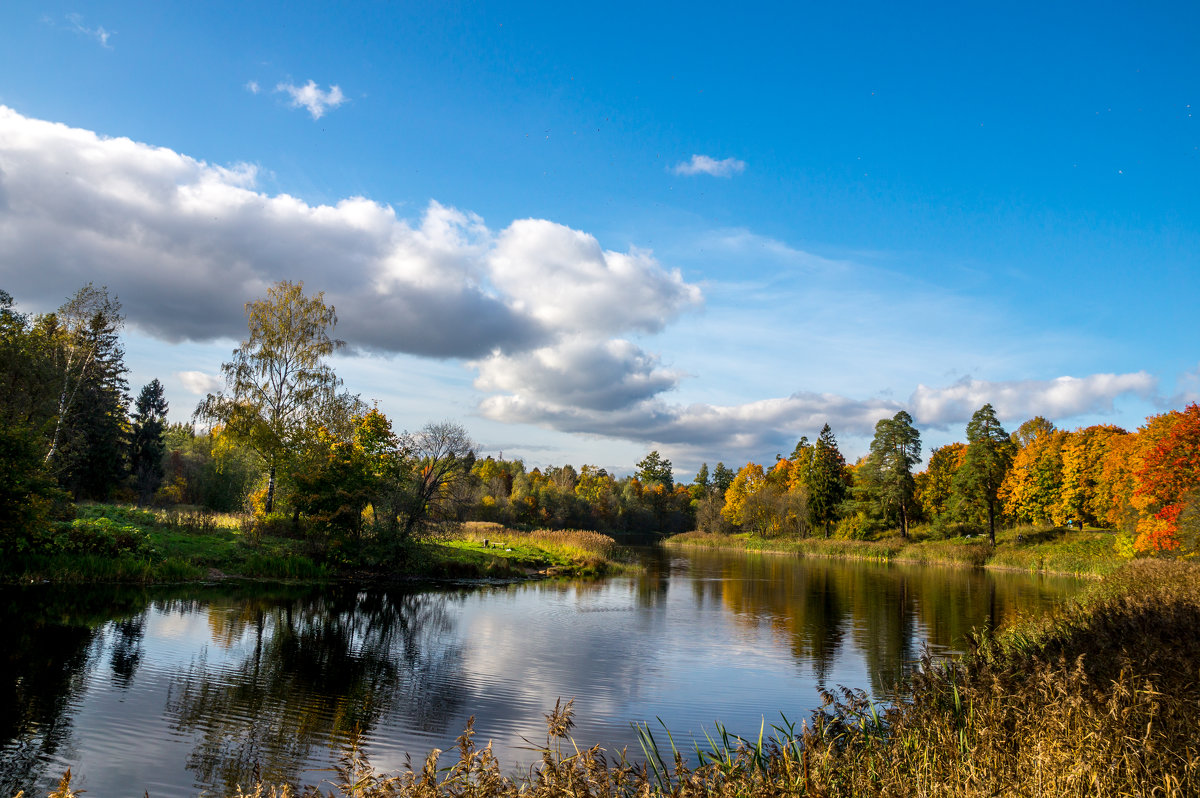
{"type": "Point", "coordinates": [1046, 549]}
{"type": "Point", "coordinates": [573, 551]}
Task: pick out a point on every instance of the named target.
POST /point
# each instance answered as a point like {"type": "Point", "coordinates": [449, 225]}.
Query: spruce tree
{"type": "Point", "coordinates": [828, 480]}
{"type": "Point", "coordinates": [149, 446]}
{"type": "Point", "coordinates": [90, 460]}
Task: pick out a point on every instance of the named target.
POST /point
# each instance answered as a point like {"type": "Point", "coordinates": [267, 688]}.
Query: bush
{"type": "Point", "coordinates": [859, 526]}
{"type": "Point", "coordinates": [101, 536]}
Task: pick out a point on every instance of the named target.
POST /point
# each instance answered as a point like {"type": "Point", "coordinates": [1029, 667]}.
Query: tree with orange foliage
{"type": "Point", "coordinates": [1166, 478]}
{"type": "Point", "coordinates": [1084, 453]}
{"type": "Point", "coordinates": [1032, 488]}
{"type": "Point", "coordinates": [934, 485]}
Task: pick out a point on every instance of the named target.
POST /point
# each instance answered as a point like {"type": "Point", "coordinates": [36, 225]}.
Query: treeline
{"type": "Point", "coordinates": [1143, 485]}
{"type": "Point", "coordinates": [284, 442]}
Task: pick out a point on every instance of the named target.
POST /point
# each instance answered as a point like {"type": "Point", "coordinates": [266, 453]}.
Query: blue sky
{"type": "Point", "coordinates": [588, 232]}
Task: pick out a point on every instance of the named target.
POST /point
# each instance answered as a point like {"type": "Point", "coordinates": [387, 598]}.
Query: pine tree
{"type": "Point", "coordinates": [895, 449]}
{"type": "Point", "coordinates": [722, 478]}
{"type": "Point", "coordinates": [149, 446]}
{"type": "Point", "coordinates": [990, 452]}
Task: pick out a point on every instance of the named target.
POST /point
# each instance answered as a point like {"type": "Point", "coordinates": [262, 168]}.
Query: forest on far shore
{"type": "Point", "coordinates": [285, 444]}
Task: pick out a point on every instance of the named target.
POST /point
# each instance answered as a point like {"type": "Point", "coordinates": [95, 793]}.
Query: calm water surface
{"type": "Point", "coordinates": [180, 691]}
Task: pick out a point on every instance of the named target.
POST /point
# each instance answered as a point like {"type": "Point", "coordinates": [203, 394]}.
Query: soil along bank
{"type": "Point", "coordinates": [1101, 698]}
{"type": "Point", "coordinates": [1061, 551]}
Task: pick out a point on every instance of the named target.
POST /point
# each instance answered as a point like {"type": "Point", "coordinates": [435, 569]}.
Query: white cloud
{"type": "Point", "coordinates": [311, 97]}
{"type": "Point", "coordinates": [754, 429]}
{"type": "Point", "coordinates": [1187, 388]}
{"type": "Point", "coordinates": [253, 87]}
{"type": "Point", "coordinates": [704, 165]}
{"type": "Point", "coordinates": [566, 281]}
{"type": "Point", "coordinates": [98, 33]}
{"type": "Point", "coordinates": [185, 243]}
{"type": "Point", "coordinates": [1063, 397]}
{"type": "Point", "coordinates": [198, 382]}
{"type": "Point", "coordinates": [581, 373]}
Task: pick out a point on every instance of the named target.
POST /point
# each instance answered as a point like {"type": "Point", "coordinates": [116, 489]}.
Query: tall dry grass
{"type": "Point", "coordinates": [578, 545]}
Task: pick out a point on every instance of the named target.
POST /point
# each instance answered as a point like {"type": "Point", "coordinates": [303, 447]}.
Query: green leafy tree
{"type": "Point", "coordinates": [149, 444]}
{"type": "Point", "coordinates": [990, 452]}
{"type": "Point", "coordinates": [654, 469]}
{"type": "Point", "coordinates": [888, 475]}
{"type": "Point", "coordinates": [28, 380]}
{"type": "Point", "coordinates": [75, 332]}
{"type": "Point", "coordinates": [829, 481]}
{"type": "Point", "coordinates": [278, 377]}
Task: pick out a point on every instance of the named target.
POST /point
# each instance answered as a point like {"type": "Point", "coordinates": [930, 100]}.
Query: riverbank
{"type": "Point", "coordinates": [1045, 550]}
{"type": "Point", "coordinates": [111, 543]}
{"type": "Point", "coordinates": [1100, 697]}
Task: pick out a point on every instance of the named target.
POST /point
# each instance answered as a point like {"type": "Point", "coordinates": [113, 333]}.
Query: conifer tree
{"type": "Point", "coordinates": [93, 427]}
{"type": "Point", "coordinates": [828, 480]}
{"type": "Point", "coordinates": [990, 452]}
{"type": "Point", "coordinates": [895, 449]}
{"type": "Point", "coordinates": [149, 446]}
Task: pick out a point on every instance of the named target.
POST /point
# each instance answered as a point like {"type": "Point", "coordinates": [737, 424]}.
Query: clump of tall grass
{"type": "Point", "coordinates": [586, 549]}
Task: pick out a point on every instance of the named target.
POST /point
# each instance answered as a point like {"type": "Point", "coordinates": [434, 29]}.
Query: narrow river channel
{"type": "Point", "coordinates": [187, 689]}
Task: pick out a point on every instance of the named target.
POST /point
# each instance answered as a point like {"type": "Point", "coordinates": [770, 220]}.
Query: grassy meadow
{"type": "Point", "coordinates": [112, 543]}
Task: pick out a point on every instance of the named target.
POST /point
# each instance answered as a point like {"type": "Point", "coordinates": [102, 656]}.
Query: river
{"type": "Point", "coordinates": [187, 689]}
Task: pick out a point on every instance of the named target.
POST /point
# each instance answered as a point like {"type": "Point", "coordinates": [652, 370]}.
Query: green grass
{"type": "Point", "coordinates": [1048, 550]}
{"type": "Point", "coordinates": [190, 545]}
{"type": "Point", "coordinates": [496, 550]}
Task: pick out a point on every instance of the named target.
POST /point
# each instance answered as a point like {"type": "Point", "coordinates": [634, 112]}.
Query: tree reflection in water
{"type": "Point", "coordinates": [816, 603]}
{"type": "Point", "coordinates": [51, 641]}
{"type": "Point", "coordinates": [319, 669]}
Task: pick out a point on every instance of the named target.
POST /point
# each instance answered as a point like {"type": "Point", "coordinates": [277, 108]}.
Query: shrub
{"type": "Point", "coordinates": [101, 536]}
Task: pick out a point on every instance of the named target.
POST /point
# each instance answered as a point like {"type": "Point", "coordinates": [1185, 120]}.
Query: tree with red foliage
{"type": "Point", "coordinates": [1168, 478]}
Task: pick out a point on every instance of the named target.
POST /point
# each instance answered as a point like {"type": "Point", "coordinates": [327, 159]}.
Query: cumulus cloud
{"type": "Point", "coordinates": [253, 87]}
{"type": "Point", "coordinates": [311, 97]}
{"type": "Point", "coordinates": [198, 382]}
{"type": "Point", "coordinates": [566, 281]}
{"type": "Point", "coordinates": [594, 376]}
{"type": "Point", "coordinates": [1058, 398]}
{"type": "Point", "coordinates": [185, 244]}
{"type": "Point", "coordinates": [705, 165]}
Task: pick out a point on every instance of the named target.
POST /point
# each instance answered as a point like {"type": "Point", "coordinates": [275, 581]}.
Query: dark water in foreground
{"type": "Point", "coordinates": [186, 689]}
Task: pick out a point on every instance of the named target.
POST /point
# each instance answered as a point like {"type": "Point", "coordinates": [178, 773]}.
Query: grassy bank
{"type": "Point", "coordinates": [109, 543]}
{"type": "Point", "coordinates": [1100, 698]}
{"type": "Point", "coordinates": [1050, 550]}
{"type": "Point", "coordinates": [550, 552]}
